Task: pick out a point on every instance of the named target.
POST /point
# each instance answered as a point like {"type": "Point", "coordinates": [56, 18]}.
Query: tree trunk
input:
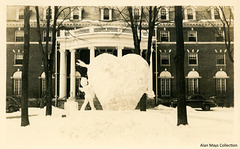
{"type": "Point", "coordinates": [179, 62]}
{"type": "Point", "coordinates": [24, 102]}
{"type": "Point", "coordinates": [48, 75]}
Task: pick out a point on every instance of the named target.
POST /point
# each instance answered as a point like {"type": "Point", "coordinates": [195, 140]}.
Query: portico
{"type": "Point", "coordinates": [115, 40]}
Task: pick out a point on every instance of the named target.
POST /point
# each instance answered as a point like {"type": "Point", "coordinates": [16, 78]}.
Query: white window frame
{"type": "Point", "coordinates": [165, 55]}
{"type": "Point", "coordinates": [186, 12]}
{"type": "Point", "coordinates": [18, 56]}
{"type": "Point", "coordinates": [17, 84]}
{"type": "Point", "coordinates": [79, 13]}
{"type": "Point", "coordinates": [165, 87]}
{"type": "Point", "coordinates": [222, 54]}
{"type": "Point", "coordinates": [164, 33]}
{"type": "Point", "coordinates": [166, 11]}
{"type": "Point", "coordinates": [192, 55]}
{"type": "Point", "coordinates": [109, 11]}
{"type": "Point", "coordinates": [192, 33]}
{"type": "Point", "coordinates": [193, 87]}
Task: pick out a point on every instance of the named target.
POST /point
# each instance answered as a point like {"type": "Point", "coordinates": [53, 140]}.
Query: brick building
{"type": "Point", "coordinates": [89, 31]}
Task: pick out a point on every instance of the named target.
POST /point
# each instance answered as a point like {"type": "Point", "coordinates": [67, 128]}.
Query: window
{"type": "Point", "coordinates": [45, 36]}
{"type": "Point", "coordinates": [76, 13]}
{"type": "Point", "coordinates": [164, 36]}
{"type": "Point", "coordinates": [136, 13]}
{"type": "Point", "coordinates": [193, 77]}
{"type": "Point", "coordinates": [165, 82]}
{"type": "Point", "coordinates": [192, 58]}
{"type": "Point", "coordinates": [163, 14]}
{"type": "Point", "coordinates": [219, 35]}
{"type": "Point", "coordinates": [17, 83]}
{"type": "Point", "coordinates": [220, 57]}
{"type": "Point", "coordinates": [78, 79]}
{"type": "Point", "coordinates": [106, 14]}
{"type": "Point", "coordinates": [109, 50]}
{"type": "Point", "coordinates": [42, 85]}
{"type": "Point", "coordinates": [192, 36]}
{"type": "Point", "coordinates": [189, 14]}
{"type": "Point", "coordinates": [165, 59]}
{"type": "Point", "coordinates": [221, 86]}
{"type": "Point", "coordinates": [48, 14]}
{"type": "Point", "coordinates": [165, 87]}
{"type": "Point", "coordinates": [19, 36]}
{"type": "Point", "coordinates": [216, 14]}
{"type": "Point", "coordinates": [193, 86]}
{"type": "Point", "coordinates": [21, 13]}
{"type": "Point", "coordinates": [18, 58]}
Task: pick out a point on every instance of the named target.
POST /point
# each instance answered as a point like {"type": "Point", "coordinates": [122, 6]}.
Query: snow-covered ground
{"type": "Point", "coordinates": [155, 128]}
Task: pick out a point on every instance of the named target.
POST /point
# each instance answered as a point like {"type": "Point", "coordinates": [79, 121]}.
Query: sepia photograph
{"type": "Point", "coordinates": [120, 75]}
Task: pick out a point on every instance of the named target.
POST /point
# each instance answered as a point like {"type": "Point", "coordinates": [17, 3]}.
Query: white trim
{"type": "Point", "coordinates": [172, 42]}
{"type": "Point", "coordinates": [23, 42]}
{"type": "Point", "coordinates": [102, 14]}
{"type": "Point", "coordinates": [167, 14]}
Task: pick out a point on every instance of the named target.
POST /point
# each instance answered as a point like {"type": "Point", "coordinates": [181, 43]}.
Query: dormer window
{"type": "Point", "coordinates": [136, 13]}
{"type": "Point", "coordinates": [47, 14]}
{"type": "Point", "coordinates": [190, 13]}
{"type": "Point", "coordinates": [216, 13]}
{"type": "Point", "coordinates": [106, 14]}
{"type": "Point", "coordinates": [164, 13]}
{"type": "Point", "coordinates": [76, 13]}
{"type": "Point", "coordinates": [21, 14]}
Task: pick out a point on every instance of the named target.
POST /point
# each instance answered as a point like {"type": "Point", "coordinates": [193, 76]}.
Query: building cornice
{"type": "Point", "coordinates": [84, 23]}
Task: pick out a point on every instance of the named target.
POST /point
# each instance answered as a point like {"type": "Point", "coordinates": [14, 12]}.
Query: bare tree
{"type": "Point", "coordinates": [136, 24]}
{"type": "Point", "coordinates": [225, 15]}
{"type": "Point", "coordinates": [48, 53]}
{"type": "Point", "coordinates": [227, 24]}
{"type": "Point", "coordinates": [24, 102]}
{"type": "Point", "coordinates": [179, 62]}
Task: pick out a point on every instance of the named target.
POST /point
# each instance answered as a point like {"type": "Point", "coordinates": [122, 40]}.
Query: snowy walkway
{"type": "Point", "coordinates": [155, 128]}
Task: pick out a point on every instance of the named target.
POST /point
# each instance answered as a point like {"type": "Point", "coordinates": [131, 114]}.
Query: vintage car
{"type": "Point", "coordinates": [197, 101]}
{"type": "Point", "coordinates": [12, 104]}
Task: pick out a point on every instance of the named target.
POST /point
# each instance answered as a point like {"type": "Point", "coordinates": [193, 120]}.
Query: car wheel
{"type": "Point", "coordinates": [11, 109]}
{"type": "Point", "coordinates": [206, 108]}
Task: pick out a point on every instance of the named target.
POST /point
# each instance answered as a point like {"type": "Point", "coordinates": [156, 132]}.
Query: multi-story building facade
{"type": "Point", "coordinates": [90, 31]}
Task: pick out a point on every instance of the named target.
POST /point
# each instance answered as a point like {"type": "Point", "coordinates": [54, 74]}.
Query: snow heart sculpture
{"type": "Point", "coordinates": [119, 82]}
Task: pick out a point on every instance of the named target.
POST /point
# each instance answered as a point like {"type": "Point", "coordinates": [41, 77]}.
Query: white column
{"type": "Point", "coordinates": [119, 51]}
{"type": "Point", "coordinates": [63, 74]}
{"type": "Point", "coordinates": [92, 53]}
{"type": "Point", "coordinates": [72, 75]}
{"type": "Point", "coordinates": [102, 13]}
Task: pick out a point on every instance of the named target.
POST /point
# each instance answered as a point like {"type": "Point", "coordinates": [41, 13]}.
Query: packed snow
{"type": "Point", "coordinates": [119, 82]}
{"type": "Point", "coordinates": [155, 128]}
